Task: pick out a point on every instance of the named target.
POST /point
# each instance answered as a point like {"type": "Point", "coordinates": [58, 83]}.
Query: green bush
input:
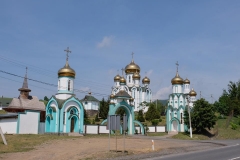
{"type": "Point", "coordinates": [233, 126]}
{"type": "Point", "coordinates": [136, 131]}
{"type": "Point", "coordinates": [160, 120]}
{"type": "Point", "coordinates": [93, 121]}
{"type": "Point", "coordinates": [221, 117]}
{"type": "Point", "coordinates": [155, 122]}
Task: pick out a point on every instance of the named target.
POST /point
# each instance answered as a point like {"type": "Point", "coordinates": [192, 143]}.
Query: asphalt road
{"type": "Point", "coordinates": [229, 152]}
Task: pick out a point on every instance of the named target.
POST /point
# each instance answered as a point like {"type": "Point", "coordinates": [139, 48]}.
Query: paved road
{"type": "Point", "coordinates": [229, 152]}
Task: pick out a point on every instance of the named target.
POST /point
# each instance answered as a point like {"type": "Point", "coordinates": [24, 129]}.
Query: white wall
{"type": "Point", "coordinates": [29, 123]}
{"type": "Point", "coordinates": [103, 129]}
{"type": "Point", "coordinates": [9, 125]}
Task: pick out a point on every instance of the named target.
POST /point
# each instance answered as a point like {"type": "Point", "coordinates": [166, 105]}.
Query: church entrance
{"type": "Point", "coordinates": [175, 125]}
{"type": "Point", "coordinates": [72, 125]}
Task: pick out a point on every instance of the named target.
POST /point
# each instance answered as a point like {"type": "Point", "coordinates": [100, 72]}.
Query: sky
{"type": "Point", "coordinates": [203, 36]}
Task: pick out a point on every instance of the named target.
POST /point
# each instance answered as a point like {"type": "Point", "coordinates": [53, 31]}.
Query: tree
{"type": "Point", "coordinates": [221, 106]}
{"type": "Point", "coordinates": [104, 107]}
{"type": "Point", "coordinates": [202, 115]}
{"type": "Point", "coordinates": [152, 113]}
{"type": "Point", "coordinates": [86, 120]}
{"type": "Point", "coordinates": [45, 98]}
{"type": "Point", "coordinates": [140, 116]}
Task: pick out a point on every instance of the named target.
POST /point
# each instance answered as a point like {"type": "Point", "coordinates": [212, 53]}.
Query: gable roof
{"type": "Point", "coordinates": [122, 94]}
{"type": "Point", "coordinates": [89, 98]}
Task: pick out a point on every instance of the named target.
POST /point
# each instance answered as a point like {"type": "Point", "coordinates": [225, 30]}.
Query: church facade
{"type": "Point", "coordinates": [140, 92]}
{"type": "Point", "coordinates": [64, 112]}
{"type": "Point", "coordinates": [180, 99]}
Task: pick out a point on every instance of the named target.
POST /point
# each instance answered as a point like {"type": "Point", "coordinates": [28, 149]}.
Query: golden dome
{"type": "Point", "coordinates": [192, 93]}
{"type": "Point", "coordinates": [177, 79]}
{"type": "Point", "coordinates": [136, 76]}
{"type": "Point", "coordinates": [122, 80]}
{"type": "Point", "coordinates": [117, 78]}
{"type": "Point", "coordinates": [111, 96]}
{"type": "Point", "coordinates": [145, 80]}
{"type": "Point", "coordinates": [66, 71]}
{"type": "Point", "coordinates": [132, 68]}
{"type": "Point", "coordinates": [186, 81]}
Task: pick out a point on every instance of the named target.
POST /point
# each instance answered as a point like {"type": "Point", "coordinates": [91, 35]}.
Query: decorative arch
{"type": "Point", "coordinates": [141, 126]}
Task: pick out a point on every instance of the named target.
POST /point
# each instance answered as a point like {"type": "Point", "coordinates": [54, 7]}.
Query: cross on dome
{"type": "Point", "coordinates": [122, 71]}
{"type": "Point", "coordinates": [177, 65]}
{"type": "Point", "coordinates": [68, 51]}
{"type": "Point", "coordinates": [132, 55]}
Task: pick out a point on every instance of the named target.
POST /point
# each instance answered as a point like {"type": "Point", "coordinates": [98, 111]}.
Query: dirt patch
{"type": "Point", "coordinates": [96, 148]}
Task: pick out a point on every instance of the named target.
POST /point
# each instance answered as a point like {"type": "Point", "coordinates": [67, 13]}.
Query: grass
{"type": "Point", "coordinates": [26, 142]}
{"type": "Point", "coordinates": [220, 132]}
{"type": "Point", "coordinates": [2, 112]}
{"type": "Point", "coordinates": [157, 134]}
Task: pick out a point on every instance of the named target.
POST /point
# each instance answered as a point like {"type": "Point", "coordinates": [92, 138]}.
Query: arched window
{"type": "Point", "coordinates": [59, 85]}
{"type": "Point", "coordinates": [69, 85]}
{"type": "Point", "coordinates": [181, 118]}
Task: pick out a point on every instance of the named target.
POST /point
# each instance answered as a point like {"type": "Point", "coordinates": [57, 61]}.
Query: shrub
{"type": "Point", "coordinates": [136, 131]}
{"type": "Point", "coordinates": [233, 126]}
{"type": "Point", "coordinates": [93, 121]}
{"type": "Point", "coordinates": [155, 122]}
{"type": "Point", "coordinates": [160, 120]}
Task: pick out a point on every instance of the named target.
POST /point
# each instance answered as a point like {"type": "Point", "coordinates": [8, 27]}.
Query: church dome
{"type": "Point", "coordinates": [145, 80]}
{"type": "Point", "coordinates": [122, 80]}
{"type": "Point", "coordinates": [186, 81]}
{"type": "Point", "coordinates": [111, 96]}
{"type": "Point", "coordinates": [66, 71]}
{"type": "Point", "coordinates": [136, 76]}
{"type": "Point", "coordinates": [117, 78]}
{"type": "Point", "coordinates": [132, 68]}
{"type": "Point", "coordinates": [177, 79]}
{"type": "Point", "coordinates": [192, 93]}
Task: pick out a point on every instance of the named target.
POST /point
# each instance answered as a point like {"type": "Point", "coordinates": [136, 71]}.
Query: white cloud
{"type": "Point", "coordinates": [163, 93]}
{"type": "Point", "coordinates": [106, 42]}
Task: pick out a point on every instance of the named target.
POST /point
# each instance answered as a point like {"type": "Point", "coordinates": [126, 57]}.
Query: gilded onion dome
{"type": "Point", "coordinates": [122, 80]}
{"type": "Point", "coordinates": [132, 68]}
{"type": "Point", "coordinates": [186, 81]}
{"type": "Point", "coordinates": [117, 78]}
{"type": "Point", "coordinates": [145, 80]}
{"type": "Point", "coordinates": [177, 79]}
{"type": "Point", "coordinates": [136, 76]}
{"type": "Point", "coordinates": [66, 71]}
{"type": "Point", "coordinates": [192, 93]}
{"type": "Point", "coordinates": [111, 96]}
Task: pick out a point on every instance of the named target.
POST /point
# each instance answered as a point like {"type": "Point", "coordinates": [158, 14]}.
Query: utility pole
{"type": "Point", "coordinates": [200, 94]}
{"type": "Point", "coordinates": [211, 99]}
{"type": "Point", "coordinates": [190, 125]}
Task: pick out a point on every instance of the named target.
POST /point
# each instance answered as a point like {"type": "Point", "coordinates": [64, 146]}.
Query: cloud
{"type": "Point", "coordinates": [106, 42]}
{"type": "Point", "coordinates": [163, 93]}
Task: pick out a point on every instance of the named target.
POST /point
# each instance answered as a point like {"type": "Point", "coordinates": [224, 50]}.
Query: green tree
{"type": "Point", "coordinates": [45, 98]}
{"type": "Point", "coordinates": [221, 106]}
{"type": "Point", "coordinates": [140, 116]}
{"type": "Point", "coordinates": [152, 113]}
{"type": "Point", "coordinates": [86, 120]}
{"type": "Point", "coordinates": [104, 107]}
{"type": "Point", "coordinates": [202, 115]}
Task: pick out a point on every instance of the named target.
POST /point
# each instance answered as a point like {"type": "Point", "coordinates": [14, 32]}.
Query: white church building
{"type": "Point", "coordinates": [140, 92]}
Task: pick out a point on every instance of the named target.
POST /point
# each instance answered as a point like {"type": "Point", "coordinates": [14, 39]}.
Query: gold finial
{"type": "Point", "coordinates": [68, 51]}
{"type": "Point", "coordinates": [177, 65]}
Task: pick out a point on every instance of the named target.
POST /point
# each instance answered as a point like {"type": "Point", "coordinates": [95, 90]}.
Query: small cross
{"type": "Point", "coordinates": [145, 74]}
{"type": "Point", "coordinates": [132, 55]}
{"type": "Point", "coordinates": [177, 65]}
{"type": "Point", "coordinates": [118, 71]}
{"type": "Point", "coordinates": [122, 71]}
{"type": "Point", "coordinates": [26, 70]}
{"type": "Point", "coordinates": [68, 51]}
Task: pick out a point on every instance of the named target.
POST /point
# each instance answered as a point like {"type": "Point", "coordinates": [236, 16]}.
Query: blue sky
{"type": "Point", "coordinates": [203, 36]}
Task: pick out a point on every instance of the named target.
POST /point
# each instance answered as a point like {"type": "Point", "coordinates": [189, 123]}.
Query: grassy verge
{"type": "Point", "coordinates": [21, 143]}
{"type": "Point", "coordinates": [157, 134]}
{"type": "Point", "coordinates": [220, 131]}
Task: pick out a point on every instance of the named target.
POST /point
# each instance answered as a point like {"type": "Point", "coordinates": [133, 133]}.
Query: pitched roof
{"type": "Point", "coordinates": [25, 85]}
{"type": "Point", "coordinates": [89, 98]}
{"type": "Point", "coordinates": [31, 104]}
{"type": "Point", "coordinates": [122, 94]}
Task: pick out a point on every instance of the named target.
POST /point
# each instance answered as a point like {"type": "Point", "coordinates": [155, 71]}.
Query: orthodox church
{"type": "Point", "coordinates": [64, 112]}
{"type": "Point", "coordinates": [139, 92]}
{"type": "Point", "coordinates": [179, 100]}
